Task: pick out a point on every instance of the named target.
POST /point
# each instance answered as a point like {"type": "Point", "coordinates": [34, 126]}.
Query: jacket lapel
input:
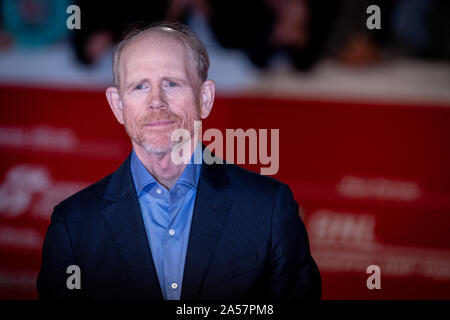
{"type": "Point", "coordinates": [124, 219]}
{"type": "Point", "coordinates": [210, 212]}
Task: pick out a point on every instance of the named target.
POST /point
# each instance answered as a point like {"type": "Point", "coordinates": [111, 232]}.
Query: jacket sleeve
{"type": "Point", "coordinates": [293, 272]}
{"type": "Point", "coordinates": [57, 255]}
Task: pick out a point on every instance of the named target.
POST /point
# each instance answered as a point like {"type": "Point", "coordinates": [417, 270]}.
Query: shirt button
{"type": "Point", "coordinates": [171, 232]}
{"type": "Point", "coordinates": [174, 285]}
{"type": "Point", "coordinates": [158, 191]}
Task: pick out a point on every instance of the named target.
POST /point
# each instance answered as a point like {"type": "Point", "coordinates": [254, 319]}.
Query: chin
{"type": "Point", "coordinates": [157, 142]}
{"type": "Point", "coordinates": [159, 148]}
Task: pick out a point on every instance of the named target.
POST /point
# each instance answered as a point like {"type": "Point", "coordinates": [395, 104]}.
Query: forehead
{"type": "Point", "coordinates": [155, 50]}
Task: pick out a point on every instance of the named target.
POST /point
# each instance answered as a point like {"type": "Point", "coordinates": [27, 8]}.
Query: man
{"type": "Point", "coordinates": [159, 230]}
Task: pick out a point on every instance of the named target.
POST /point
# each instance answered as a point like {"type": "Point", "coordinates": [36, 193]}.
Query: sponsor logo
{"type": "Point", "coordinates": [30, 188]}
{"type": "Point", "coordinates": [346, 242]}
{"type": "Point", "coordinates": [378, 188]}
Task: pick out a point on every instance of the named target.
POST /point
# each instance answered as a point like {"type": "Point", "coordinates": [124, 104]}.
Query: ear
{"type": "Point", "coordinates": [113, 96]}
{"type": "Point", "coordinates": [207, 93]}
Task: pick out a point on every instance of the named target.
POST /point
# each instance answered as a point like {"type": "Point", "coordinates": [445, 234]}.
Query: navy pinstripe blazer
{"type": "Point", "coordinates": [246, 242]}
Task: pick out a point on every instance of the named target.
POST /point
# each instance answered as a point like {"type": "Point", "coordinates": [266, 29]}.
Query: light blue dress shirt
{"type": "Point", "coordinates": [167, 216]}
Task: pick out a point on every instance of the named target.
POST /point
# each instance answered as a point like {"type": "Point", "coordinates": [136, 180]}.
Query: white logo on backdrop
{"type": "Point", "coordinates": [346, 242]}
{"type": "Point", "coordinates": [29, 187]}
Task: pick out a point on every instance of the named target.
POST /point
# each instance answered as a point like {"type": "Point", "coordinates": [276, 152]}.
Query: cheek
{"type": "Point", "coordinates": [133, 103]}
{"type": "Point", "coordinates": [186, 107]}
{"type": "Point", "coordinates": [131, 118]}
{"type": "Point", "coordinates": [188, 116]}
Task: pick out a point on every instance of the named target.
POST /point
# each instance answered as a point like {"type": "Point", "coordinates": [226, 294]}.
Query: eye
{"type": "Point", "coordinates": [139, 87]}
{"type": "Point", "coordinates": [172, 84]}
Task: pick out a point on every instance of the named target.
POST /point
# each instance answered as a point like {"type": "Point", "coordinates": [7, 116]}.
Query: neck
{"type": "Point", "coordinates": [161, 166]}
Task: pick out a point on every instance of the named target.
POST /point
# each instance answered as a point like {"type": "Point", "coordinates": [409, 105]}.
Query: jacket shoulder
{"type": "Point", "coordinates": [86, 196]}
{"type": "Point", "coordinates": [251, 180]}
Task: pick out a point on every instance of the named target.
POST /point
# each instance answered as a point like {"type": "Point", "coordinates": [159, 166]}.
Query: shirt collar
{"type": "Point", "coordinates": [190, 176]}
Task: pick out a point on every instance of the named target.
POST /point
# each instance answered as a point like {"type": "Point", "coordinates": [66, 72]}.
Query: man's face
{"type": "Point", "coordinates": [159, 91]}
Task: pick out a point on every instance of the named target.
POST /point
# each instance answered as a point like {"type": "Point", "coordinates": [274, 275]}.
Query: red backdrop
{"type": "Point", "coordinates": [372, 181]}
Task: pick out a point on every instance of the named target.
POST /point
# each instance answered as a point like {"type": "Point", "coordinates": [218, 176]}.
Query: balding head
{"type": "Point", "coordinates": [177, 31]}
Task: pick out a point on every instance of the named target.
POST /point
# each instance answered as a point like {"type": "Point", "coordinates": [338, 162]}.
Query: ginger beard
{"type": "Point", "coordinates": [158, 139]}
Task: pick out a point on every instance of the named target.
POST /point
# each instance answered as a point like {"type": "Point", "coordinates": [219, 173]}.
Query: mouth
{"type": "Point", "coordinates": [162, 123]}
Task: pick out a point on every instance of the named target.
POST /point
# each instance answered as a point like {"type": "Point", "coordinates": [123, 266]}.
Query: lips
{"type": "Point", "coordinates": [159, 123]}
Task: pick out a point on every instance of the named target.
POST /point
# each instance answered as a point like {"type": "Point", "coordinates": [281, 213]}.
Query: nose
{"type": "Point", "coordinates": [157, 99]}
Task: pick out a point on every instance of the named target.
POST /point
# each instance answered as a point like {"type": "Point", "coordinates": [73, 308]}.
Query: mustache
{"type": "Point", "coordinates": [159, 116]}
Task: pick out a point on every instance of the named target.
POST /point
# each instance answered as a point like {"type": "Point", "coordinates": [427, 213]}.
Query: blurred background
{"type": "Point", "coordinates": [363, 114]}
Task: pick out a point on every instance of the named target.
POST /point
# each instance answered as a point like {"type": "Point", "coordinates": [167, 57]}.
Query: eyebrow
{"type": "Point", "coordinates": [179, 80]}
